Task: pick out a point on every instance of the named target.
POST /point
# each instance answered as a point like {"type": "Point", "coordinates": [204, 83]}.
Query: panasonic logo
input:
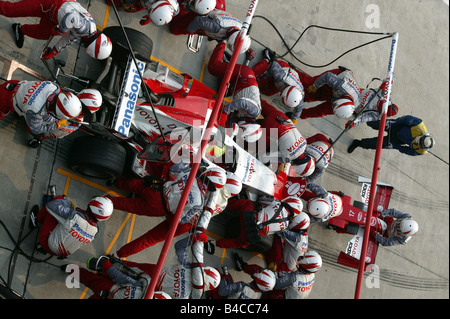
{"type": "Point", "coordinates": [128, 96]}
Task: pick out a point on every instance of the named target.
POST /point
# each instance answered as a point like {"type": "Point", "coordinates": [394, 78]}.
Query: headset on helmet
{"type": "Point", "coordinates": [300, 222]}
{"type": "Point", "coordinates": [231, 42]}
{"type": "Point", "coordinates": [91, 98]}
{"type": "Point", "coordinates": [163, 11]}
{"type": "Point", "coordinates": [306, 167]}
{"type": "Point", "coordinates": [343, 108]}
{"type": "Point", "coordinates": [310, 262]}
{"type": "Point", "coordinates": [252, 131]}
{"type": "Point", "coordinates": [409, 227]}
{"type": "Point", "coordinates": [295, 203]}
{"type": "Point", "coordinates": [99, 47]}
{"type": "Point", "coordinates": [265, 280]}
{"type": "Point", "coordinates": [161, 295]}
{"type": "Point", "coordinates": [216, 176]}
{"type": "Point", "coordinates": [319, 208]}
{"type": "Point", "coordinates": [211, 278]}
{"type": "Point", "coordinates": [67, 106]}
{"type": "Point", "coordinates": [291, 96]}
{"type": "Point", "coordinates": [202, 7]}
{"type": "Point", "coordinates": [233, 184]}
{"type": "Point", "coordinates": [101, 207]}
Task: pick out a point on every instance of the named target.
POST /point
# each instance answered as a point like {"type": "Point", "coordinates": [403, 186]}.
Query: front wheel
{"type": "Point", "coordinates": [97, 157]}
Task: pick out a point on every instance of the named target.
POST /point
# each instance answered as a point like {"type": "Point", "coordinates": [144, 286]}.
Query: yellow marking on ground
{"type": "Point", "coordinates": [105, 20]}
{"type": "Point", "coordinates": [66, 188]}
{"type": "Point", "coordinates": [71, 176]}
{"type": "Point", "coordinates": [88, 182]}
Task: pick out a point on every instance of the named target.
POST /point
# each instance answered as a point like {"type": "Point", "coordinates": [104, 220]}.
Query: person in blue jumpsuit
{"type": "Point", "coordinates": [407, 134]}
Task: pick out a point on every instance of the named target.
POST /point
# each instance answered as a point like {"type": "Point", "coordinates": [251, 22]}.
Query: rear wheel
{"type": "Point", "coordinates": [97, 157]}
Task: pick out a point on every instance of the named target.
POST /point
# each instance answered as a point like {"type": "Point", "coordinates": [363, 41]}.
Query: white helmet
{"type": "Point", "coordinates": [291, 96]}
{"type": "Point", "coordinates": [91, 98]}
{"type": "Point", "coordinates": [337, 205]}
{"type": "Point", "coordinates": [100, 48]}
{"type": "Point", "coordinates": [161, 295]}
{"type": "Point", "coordinates": [409, 227]}
{"type": "Point", "coordinates": [202, 7]}
{"type": "Point", "coordinates": [67, 106]}
{"type": "Point", "coordinates": [216, 176]}
{"type": "Point", "coordinates": [233, 184]}
{"type": "Point", "coordinates": [163, 11]}
{"type": "Point", "coordinates": [231, 42]}
{"type": "Point", "coordinates": [310, 262]}
{"type": "Point", "coordinates": [426, 141]}
{"type": "Point", "coordinates": [317, 149]}
{"type": "Point", "coordinates": [252, 131]}
{"type": "Point", "coordinates": [295, 203]}
{"type": "Point", "coordinates": [306, 168]}
{"type": "Point", "coordinates": [265, 280]}
{"type": "Point", "coordinates": [343, 108]}
{"type": "Point", "coordinates": [300, 222]}
{"type": "Point", "coordinates": [211, 278]}
{"type": "Point", "coordinates": [101, 207]}
{"type": "Point", "coordinates": [319, 208]}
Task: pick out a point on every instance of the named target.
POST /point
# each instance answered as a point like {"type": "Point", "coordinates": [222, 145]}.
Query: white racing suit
{"type": "Point", "coordinates": [31, 100]}
{"type": "Point", "coordinates": [175, 280]}
{"type": "Point", "coordinates": [296, 284]}
{"type": "Point", "coordinates": [74, 22]}
{"type": "Point", "coordinates": [215, 24]}
{"type": "Point", "coordinates": [295, 244]}
{"type": "Point", "coordinates": [343, 84]}
{"type": "Point", "coordinates": [216, 203]}
{"type": "Point", "coordinates": [73, 230]}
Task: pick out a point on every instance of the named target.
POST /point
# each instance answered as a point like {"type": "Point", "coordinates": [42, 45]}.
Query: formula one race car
{"type": "Point", "coordinates": [352, 220]}
{"type": "Point", "coordinates": [147, 123]}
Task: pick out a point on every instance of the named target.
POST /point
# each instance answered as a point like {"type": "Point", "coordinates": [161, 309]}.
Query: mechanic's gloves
{"type": "Point", "coordinates": [57, 31]}
{"type": "Point", "coordinates": [60, 123]}
{"type": "Point", "coordinates": [349, 125]}
{"type": "Point", "coordinates": [199, 236]}
{"type": "Point", "coordinates": [145, 20]}
{"type": "Point", "coordinates": [214, 150]}
{"type": "Point", "coordinates": [50, 53]}
{"type": "Point", "coordinates": [294, 121]}
{"type": "Point", "coordinates": [312, 89]}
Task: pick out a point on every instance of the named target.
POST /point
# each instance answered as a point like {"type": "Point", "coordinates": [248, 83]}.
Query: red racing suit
{"type": "Point", "coordinates": [275, 77]}
{"type": "Point", "coordinates": [246, 97]}
{"type": "Point", "coordinates": [151, 202]}
{"type": "Point", "coordinates": [255, 223]}
{"type": "Point", "coordinates": [181, 21]}
{"type": "Point", "coordinates": [291, 144]}
{"type": "Point", "coordinates": [52, 13]}
{"type": "Point", "coordinates": [324, 93]}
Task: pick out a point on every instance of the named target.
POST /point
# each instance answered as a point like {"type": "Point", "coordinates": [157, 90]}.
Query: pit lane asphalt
{"type": "Point", "coordinates": [418, 270]}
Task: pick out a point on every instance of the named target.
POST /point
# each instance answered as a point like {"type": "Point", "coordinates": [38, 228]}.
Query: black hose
{"type": "Point", "coordinates": [289, 49]}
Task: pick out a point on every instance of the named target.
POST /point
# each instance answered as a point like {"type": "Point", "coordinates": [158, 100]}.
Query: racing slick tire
{"type": "Point", "coordinates": [97, 157]}
{"type": "Point", "coordinates": [142, 45]}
